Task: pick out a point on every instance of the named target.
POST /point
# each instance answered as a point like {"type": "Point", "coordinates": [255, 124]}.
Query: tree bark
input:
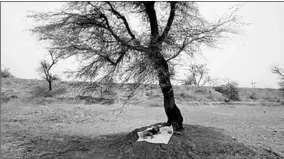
{"type": "Point", "coordinates": [172, 111]}
{"type": "Point", "coordinates": [160, 64]}
{"type": "Point", "coordinates": [49, 85]}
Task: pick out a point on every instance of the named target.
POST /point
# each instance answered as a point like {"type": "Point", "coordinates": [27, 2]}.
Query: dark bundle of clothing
{"type": "Point", "coordinates": [155, 130]}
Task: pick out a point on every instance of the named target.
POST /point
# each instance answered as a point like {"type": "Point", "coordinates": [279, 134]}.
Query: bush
{"type": "Point", "coordinates": [229, 90]}
{"type": "Point", "coordinates": [149, 94]}
{"type": "Point", "coordinates": [5, 72]}
{"type": "Point", "coordinates": [281, 90]}
{"type": "Point", "coordinates": [184, 95]}
{"type": "Point", "coordinates": [4, 98]}
{"type": "Point", "coordinates": [253, 96]}
{"type": "Point", "coordinates": [92, 100]}
{"type": "Point", "coordinates": [219, 89]}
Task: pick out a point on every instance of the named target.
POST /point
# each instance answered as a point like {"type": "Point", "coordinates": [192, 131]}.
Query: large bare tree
{"type": "Point", "coordinates": [131, 41]}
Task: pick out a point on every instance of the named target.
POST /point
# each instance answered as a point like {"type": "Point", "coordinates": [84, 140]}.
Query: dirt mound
{"type": "Point", "coordinates": [196, 142]}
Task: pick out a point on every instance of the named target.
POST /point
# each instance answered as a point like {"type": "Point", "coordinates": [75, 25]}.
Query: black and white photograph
{"type": "Point", "coordinates": [142, 80]}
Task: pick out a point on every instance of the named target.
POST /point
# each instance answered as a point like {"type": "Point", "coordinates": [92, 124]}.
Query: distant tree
{"type": "Point", "coordinates": [111, 48]}
{"type": "Point", "coordinates": [280, 72]}
{"type": "Point", "coordinates": [198, 75]}
{"type": "Point", "coordinates": [229, 90]}
{"type": "Point", "coordinates": [5, 72]}
{"type": "Point", "coordinates": [45, 69]}
{"type": "Point", "coordinates": [281, 84]}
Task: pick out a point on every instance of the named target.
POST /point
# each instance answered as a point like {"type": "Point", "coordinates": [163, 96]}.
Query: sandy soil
{"type": "Point", "coordinates": [22, 125]}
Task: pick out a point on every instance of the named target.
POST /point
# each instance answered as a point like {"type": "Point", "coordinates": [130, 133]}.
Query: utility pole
{"type": "Point", "coordinates": [253, 84]}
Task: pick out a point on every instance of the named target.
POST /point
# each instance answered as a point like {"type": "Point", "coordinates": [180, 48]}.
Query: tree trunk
{"type": "Point", "coordinates": [172, 111]}
{"type": "Point", "coordinates": [160, 64]}
{"type": "Point", "coordinates": [49, 85]}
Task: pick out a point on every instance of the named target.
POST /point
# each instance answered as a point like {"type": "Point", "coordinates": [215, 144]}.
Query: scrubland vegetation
{"type": "Point", "coordinates": [66, 123]}
{"type": "Point", "coordinates": [100, 118]}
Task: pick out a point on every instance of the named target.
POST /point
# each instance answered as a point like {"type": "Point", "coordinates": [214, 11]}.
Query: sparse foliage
{"type": "Point", "coordinates": [45, 69]}
{"type": "Point", "coordinates": [229, 90]}
{"type": "Point", "coordinates": [198, 75]}
{"type": "Point", "coordinates": [280, 72]}
{"type": "Point", "coordinates": [5, 72]}
{"type": "Point", "coordinates": [112, 47]}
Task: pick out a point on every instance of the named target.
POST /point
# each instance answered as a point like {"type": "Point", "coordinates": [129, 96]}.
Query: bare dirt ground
{"type": "Point", "coordinates": [54, 130]}
{"type": "Point", "coordinates": [64, 124]}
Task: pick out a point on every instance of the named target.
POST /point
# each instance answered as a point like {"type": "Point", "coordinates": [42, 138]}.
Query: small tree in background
{"type": "Point", "coordinates": [280, 72]}
{"type": "Point", "coordinates": [45, 69]}
{"type": "Point", "coordinates": [229, 90]}
{"type": "Point", "coordinates": [5, 72]}
{"type": "Point", "coordinates": [198, 75]}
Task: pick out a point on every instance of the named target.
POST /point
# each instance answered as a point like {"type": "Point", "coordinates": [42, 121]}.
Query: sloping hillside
{"type": "Point", "coordinates": [33, 91]}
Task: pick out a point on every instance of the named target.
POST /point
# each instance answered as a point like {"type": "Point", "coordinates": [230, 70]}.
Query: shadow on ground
{"type": "Point", "coordinates": [196, 142]}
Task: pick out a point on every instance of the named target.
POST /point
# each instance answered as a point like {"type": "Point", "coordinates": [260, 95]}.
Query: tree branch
{"type": "Point", "coordinates": [180, 50]}
{"type": "Point", "coordinates": [104, 57]}
{"type": "Point", "coordinates": [197, 38]}
{"type": "Point", "coordinates": [121, 55]}
{"type": "Point", "coordinates": [123, 19]}
{"type": "Point", "coordinates": [150, 11]}
{"type": "Point", "coordinates": [278, 71]}
{"type": "Point", "coordinates": [201, 76]}
{"type": "Point", "coordinates": [108, 27]}
{"type": "Point", "coordinates": [53, 61]}
{"type": "Point", "coordinates": [169, 23]}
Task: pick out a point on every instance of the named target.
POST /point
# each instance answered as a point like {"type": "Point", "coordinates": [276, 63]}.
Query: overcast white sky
{"type": "Point", "coordinates": [246, 58]}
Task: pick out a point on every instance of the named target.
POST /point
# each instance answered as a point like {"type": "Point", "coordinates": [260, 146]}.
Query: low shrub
{"type": "Point", "coordinates": [201, 90]}
{"type": "Point", "coordinates": [93, 100]}
{"type": "Point", "coordinates": [281, 90]}
{"type": "Point", "coordinates": [184, 95]}
{"type": "Point", "coordinates": [5, 72]}
{"type": "Point", "coordinates": [253, 96]}
{"type": "Point", "coordinates": [229, 90]}
{"type": "Point", "coordinates": [4, 98]}
{"type": "Point", "coordinates": [149, 94]}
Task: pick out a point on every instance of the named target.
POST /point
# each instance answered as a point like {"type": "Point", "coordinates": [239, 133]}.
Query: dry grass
{"type": "Point", "coordinates": [62, 126]}
{"type": "Point", "coordinates": [26, 127]}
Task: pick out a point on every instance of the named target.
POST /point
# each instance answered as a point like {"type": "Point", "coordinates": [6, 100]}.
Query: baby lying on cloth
{"type": "Point", "coordinates": [156, 134]}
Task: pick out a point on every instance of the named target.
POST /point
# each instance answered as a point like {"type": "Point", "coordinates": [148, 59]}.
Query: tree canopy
{"type": "Point", "coordinates": [113, 46]}
{"type": "Point", "coordinates": [198, 75]}
{"type": "Point", "coordinates": [131, 41]}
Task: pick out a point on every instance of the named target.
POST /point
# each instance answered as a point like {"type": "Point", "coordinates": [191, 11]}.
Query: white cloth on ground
{"type": "Point", "coordinates": [163, 137]}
